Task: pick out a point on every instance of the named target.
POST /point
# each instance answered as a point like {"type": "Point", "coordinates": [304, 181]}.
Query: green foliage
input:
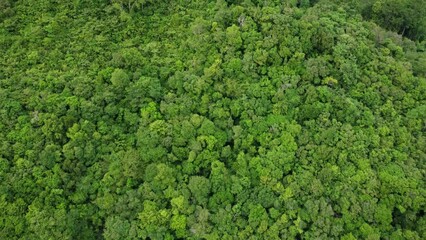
{"type": "Point", "coordinates": [212, 119]}
{"type": "Point", "coordinates": [406, 17]}
{"type": "Point", "coordinates": [200, 188]}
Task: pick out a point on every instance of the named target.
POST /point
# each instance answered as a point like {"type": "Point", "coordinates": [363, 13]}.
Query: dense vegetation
{"type": "Point", "coordinates": [135, 119]}
{"type": "Point", "coordinates": [407, 17]}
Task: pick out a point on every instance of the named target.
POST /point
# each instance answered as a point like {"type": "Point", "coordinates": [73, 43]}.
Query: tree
{"type": "Point", "coordinates": [130, 5]}
{"type": "Point", "coordinates": [200, 188]}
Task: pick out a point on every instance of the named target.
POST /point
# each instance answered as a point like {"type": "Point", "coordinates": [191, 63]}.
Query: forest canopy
{"type": "Point", "coordinates": [244, 119]}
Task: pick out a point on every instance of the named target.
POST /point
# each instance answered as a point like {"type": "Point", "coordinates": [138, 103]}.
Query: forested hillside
{"type": "Point", "coordinates": [244, 119]}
